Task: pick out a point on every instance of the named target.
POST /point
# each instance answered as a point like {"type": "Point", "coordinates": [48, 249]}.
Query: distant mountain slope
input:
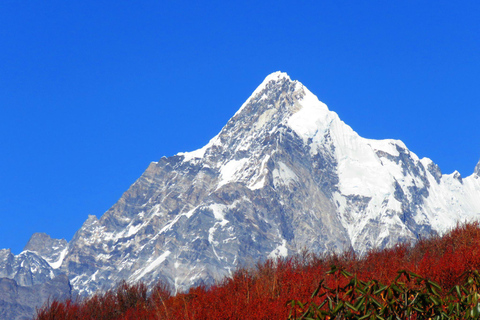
{"type": "Point", "coordinates": [283, 175]}
{"type": "Point", "coordinates": [20, 302]}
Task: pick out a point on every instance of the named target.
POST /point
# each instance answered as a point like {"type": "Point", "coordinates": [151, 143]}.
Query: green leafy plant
{"type": "Point", "coordinates": [409, 296]}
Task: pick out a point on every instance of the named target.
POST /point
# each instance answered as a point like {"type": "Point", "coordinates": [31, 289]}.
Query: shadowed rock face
{"type": "Point", "coordinates": [21, 302]}
{"type": "Point", "coordinates": [27, 281]}
{"type": "Point", "coordinates": [283, 175]}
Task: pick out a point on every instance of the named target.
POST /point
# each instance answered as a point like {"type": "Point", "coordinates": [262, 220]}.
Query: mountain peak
{"type": "Point", "coordinates": [272, 103]}
{"type": "Point", "coordinates": [284, 174]}
{"type": "Point", "coordinates": [477, 169]}
{"type": "Point", "coordinates": [274, 77]}
{"type": "Point", "coordinates": [277, 75]}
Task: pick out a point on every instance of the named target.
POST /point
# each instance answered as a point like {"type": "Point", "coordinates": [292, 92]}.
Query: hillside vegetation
{"type": "Point", "coordinates": [435, 278]}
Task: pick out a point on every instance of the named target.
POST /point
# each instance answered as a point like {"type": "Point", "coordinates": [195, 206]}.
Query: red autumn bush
{"type": "Point", "coordinates": [266, 290]}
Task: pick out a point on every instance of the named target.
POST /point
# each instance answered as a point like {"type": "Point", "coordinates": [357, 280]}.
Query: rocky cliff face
{"type": "Point", "coordinates": [26, 269]}
{"type": "Point", "coordinates": [284, 174]}
{"type": "Point", "coordinates": [477, 169]}
{"type": "Point", "coordinates": [53, 250]}
{"type": "Point", "coordinates": [20, 302]}
{"type": "Point", "coordinates": [29, 279]}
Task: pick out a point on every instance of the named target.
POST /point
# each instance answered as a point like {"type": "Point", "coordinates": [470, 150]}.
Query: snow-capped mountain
{"type": "Point", "coordinates": [283, 175]}
{"type": "Point", "coordinates": [27, 281]}
{"type": "Point", "coordinates": [26, 269]}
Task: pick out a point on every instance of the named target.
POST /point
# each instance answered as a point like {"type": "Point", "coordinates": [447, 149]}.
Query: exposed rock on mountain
{"type": "Point", "coordinates": [52, 250]}
{"type": "Point", "coordinates": [27, 280]}
{"type": "Point", "coordinates": [26, 269]}
{"type": "Point", "coordinates": [20, 302]}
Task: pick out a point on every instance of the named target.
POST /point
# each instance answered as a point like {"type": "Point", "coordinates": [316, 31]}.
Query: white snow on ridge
{"type": "Point", "coordinates": [219, 214]}
{"type": "Point", "coordinates": [452, 200]}
{"type": "Point", "coordinates": [150, 267]}
{"type": "Point", "coordinates": [368, 168]}
{"type": "Point", "coordinates": [199, 153]}
{"type": "Point", "coordinates": [275, 76]}
{"type": "Point", "coordinates": [58, 263]}
{"type": "Point", "coordinates": [280, 251]}
{"type": "Point", "coordinates": [260, 183]}
{"type": "Point", "coordinates": [229, 171]}
{"type": "Point", "coordinates": [312, 118]}
{"type": "Point", "coordinates": [359, 169]}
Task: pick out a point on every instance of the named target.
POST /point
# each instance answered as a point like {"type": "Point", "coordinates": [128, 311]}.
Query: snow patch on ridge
{"type": "Point", "coordinates": [279, 252]}
{"type": "Point", "coordinates": [229, 171]}
{"type": "Point", "coordinates": [313, 117]}
{"type": "Point", "coordinates": [358, 164]}
{"type": "Point", "coordinates": [219, 213]}
{"type": "Point", "coordinates": [199, 153]}
{"type": "Point", "coordinates": [58, 263]}
{"type": "Point", "coordinates": [153, 265]}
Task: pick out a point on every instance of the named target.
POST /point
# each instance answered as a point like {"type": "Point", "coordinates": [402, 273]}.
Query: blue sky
{"type": "Point", "coordinates": [92, 91]}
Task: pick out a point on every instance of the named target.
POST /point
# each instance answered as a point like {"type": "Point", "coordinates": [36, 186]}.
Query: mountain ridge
{"type": "Point", "coordinates": [284, 174]}
{"type": "Point", "coordinates": [347, 171]}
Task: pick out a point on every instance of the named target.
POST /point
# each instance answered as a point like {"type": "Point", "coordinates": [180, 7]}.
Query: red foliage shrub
{"type": "Point", "coordinates": [263, 292]}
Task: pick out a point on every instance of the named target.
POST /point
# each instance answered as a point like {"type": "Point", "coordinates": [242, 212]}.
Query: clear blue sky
{"type": "Point", "coordinates": [92, 91]}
